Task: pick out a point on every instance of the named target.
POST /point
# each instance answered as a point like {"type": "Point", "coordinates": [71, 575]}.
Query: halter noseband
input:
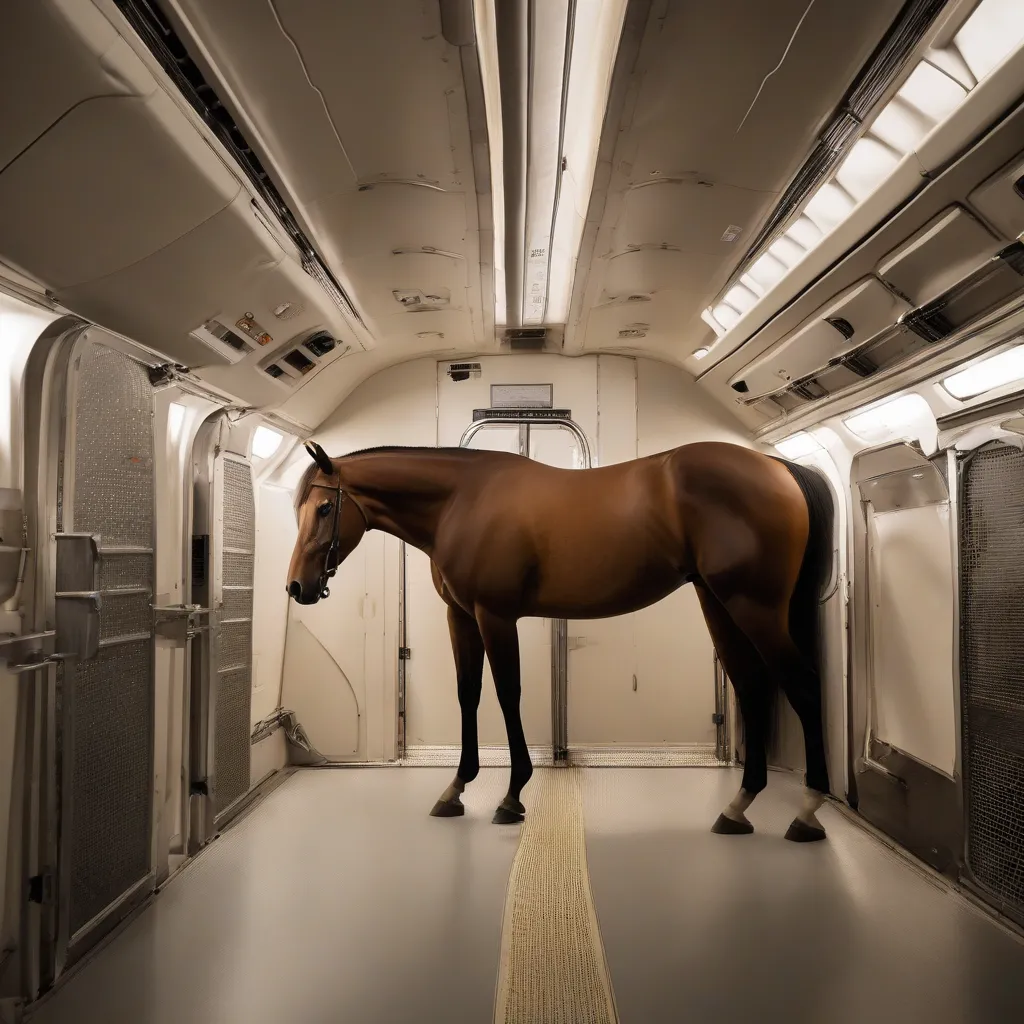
{"type": "Point", "coordinates": [332, 552]}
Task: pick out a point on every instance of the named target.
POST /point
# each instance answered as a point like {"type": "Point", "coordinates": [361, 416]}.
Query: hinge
{"type": "Point", "coordinates": [40, 888]}
{"type": "Point", "coordinates": [404, 653]}
{"type": "Point", "coordinates": [718, 718]}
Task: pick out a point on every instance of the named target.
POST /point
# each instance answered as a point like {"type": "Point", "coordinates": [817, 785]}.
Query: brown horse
{"type": "Point", "coordinates": [510, 538]}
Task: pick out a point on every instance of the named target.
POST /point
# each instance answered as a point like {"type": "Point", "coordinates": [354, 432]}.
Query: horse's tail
{"type": "Point", "coordinates": [816, 567]}
{"type": "Point", "coordinates": [815, 570]}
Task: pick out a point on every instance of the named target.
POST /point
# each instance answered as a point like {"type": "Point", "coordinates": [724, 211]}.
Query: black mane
{"type": "Point", "coordinates": [388, 449]}
{"type": "Point", "coordinates": [303, 488]}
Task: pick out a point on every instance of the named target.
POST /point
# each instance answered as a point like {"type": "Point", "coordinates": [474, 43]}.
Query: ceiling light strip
{"type": "Point", "coordinates": [931, 93]}
{"type": "Point", "coordinates": [512, 27]}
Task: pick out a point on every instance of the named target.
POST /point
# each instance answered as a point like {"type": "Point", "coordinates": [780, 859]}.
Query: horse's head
{"type": "Point", "coordinates": [330, 527]}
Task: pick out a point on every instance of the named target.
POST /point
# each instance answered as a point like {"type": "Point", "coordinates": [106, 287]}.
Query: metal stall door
{"type": "Point", "coordinates": [229, 698]}
{"type": "Point", "coordinates": [904, 748]}
{"type": "Point", "coordinates": [992, 671]}
{"type": "Point", "coordinates": [104, 707]}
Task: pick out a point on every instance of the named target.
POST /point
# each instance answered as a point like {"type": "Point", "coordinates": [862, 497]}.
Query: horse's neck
{"type": "Point", "coordinates": [402, 493]}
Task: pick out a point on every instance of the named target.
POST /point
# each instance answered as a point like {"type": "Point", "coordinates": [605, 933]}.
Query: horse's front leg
{"type": "Point", "coordinates": [501, 641]}
{"type": "Point", "coordinates": [468, 647]}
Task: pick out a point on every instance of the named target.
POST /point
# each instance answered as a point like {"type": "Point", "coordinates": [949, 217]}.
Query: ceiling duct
{"type": "Point", "coordinates": [532, 339]}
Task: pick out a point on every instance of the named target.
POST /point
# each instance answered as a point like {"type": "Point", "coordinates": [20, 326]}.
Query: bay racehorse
{"type": "Point", "coordinates": [510, 538]}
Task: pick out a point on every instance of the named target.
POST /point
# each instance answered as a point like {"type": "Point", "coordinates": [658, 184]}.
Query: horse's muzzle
{"type": "Point", "coordinates": [296, 592]}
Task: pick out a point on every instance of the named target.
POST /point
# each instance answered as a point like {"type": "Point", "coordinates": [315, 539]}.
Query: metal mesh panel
{"type": "Point", "coordinates": [237, 569]}
{"type": "Point", "coordinates": [113, 493]}
{"type": "Point", "coordinates": [233, 751]}
{"type": "Point", "coordinates": [235, 646]}
{"type": "Point", "coordinates": [125, 615]}
{"type": "Point", "coordinates": [232, 726]}
{"type": "Point", "coordinates": [110, 698]}
{"type": "Point", "coordinates": [239, 507]}
{"type": "Point", "coordinates": [237, 604]}
{"type": "Point", "coordinates": [992, 668]}
{"type": "Point", "coordinates": [118, 572]}
{"type": "Point", "coordinates": [111, 785]}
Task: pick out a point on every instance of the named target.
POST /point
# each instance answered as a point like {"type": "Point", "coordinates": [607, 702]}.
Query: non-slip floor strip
{"type": "Point", "coordinates": [552, 968]}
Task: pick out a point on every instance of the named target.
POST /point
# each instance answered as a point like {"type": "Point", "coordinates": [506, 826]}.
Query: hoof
{"type": "Point", "coordinates": [448, 809]}
{"type": "Point", "coordinates": [726, 826]}
{"type": "Point", "coordinates": [509, 812]}
{"type": "Point", "coordinates": [801, 832]}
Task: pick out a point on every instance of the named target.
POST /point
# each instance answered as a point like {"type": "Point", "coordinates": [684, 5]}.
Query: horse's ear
{"type": "Point", "coordinates": [320, 457]}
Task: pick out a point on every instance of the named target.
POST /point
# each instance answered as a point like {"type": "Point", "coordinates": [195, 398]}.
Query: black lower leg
{"type": "Point", "coordinates": [501, 639]}
{"type": "Point", "coordinates": [468, 647]}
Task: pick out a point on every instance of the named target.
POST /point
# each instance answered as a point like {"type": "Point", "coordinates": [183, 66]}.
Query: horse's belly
{"type": "Point", "coordinates": [589, 593]}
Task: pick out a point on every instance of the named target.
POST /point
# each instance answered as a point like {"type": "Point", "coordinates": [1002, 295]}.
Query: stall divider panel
{"type": "Point", "coordinates": [991, 490]}
{"type": "Point", "coordinates": [104, 707]}
{"type": "Point", "coordinates": [233, 553]}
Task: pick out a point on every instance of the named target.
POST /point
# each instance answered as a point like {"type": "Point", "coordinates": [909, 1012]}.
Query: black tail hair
{"type": "Point", "coordinates": [815, 570]}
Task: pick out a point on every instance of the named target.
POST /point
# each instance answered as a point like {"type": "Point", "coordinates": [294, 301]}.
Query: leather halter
{"type": "Point", "coordinates": [332, 552]}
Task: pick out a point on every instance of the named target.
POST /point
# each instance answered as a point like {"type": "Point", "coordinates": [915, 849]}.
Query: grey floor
{"type": "Point", "coordinates": [701, 927]}
{"type": "Point", "coordinates": [338, 899]}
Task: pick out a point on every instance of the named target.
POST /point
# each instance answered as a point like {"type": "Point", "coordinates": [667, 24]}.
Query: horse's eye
{"type": "Point", "coordinates": [324, 510]}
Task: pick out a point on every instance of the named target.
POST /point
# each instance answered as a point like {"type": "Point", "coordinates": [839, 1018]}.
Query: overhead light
{"type": "Point", "coordinates": [994, 372]}
{"type": "Point", "coordinates": [175, 419]}
{"type": "Point", "coordinates": [883, 420]}
{"type": "Point", "coordinates": [265, 442]}
{"type": "Point", "coordinates": [901, 125]}
{"type": "Point", "coordinates": [935, 88]}
{"type": "Point", "coordinates": [932, 92]}
{"type": "Point", "coordinates": [487, 54]}
{"type": "Point", "coordinates": [866, 166]}
{"type": "Point", "coordinates": [596, 29]}
{"type": "Point", "coordinates": [708, 317]}
{"type": "Point", "coordinates": [549, 24]}
{"type": "Point", "coordinates": [741, 298]}
{"type": "Point", "coordinates": [700, 353]}
{"type": "Point", "coordinates": [725, 315]}
{"type": "Point", "coordinates": [993, 31]}
{"type": "Point", "coordinates": [829, 206]}
{"type": "Point", "coordinates": [797, 445]}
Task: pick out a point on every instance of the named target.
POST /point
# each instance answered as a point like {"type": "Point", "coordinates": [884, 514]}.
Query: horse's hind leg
{"type": "Point", "coordinates": [501, 641]}
{"type": "Point", "coordinates": [468, 647]}
{"type": "Point", "coordinates": [754, 686]}
{"type": "Point", "coordinates": [768, 629]}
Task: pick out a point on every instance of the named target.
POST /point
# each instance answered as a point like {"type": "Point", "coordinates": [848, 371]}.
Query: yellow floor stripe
{"type": "Point", "coordinates": [553, 968]}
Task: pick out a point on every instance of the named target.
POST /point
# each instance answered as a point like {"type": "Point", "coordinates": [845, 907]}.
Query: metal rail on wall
{"type": "Point", "coordinates": [525, 418]}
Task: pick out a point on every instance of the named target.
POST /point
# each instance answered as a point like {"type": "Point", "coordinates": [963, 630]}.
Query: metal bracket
{"type": "Point", "coordinates": [28, 653]}
{"type": "Point", "coordinates": [404, 653]}
{"type": "Point", "coordinates": [180, 622]}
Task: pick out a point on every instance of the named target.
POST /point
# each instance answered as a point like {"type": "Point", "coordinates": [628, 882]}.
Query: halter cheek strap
{"type": "Point", "coordinates": [332, 552]}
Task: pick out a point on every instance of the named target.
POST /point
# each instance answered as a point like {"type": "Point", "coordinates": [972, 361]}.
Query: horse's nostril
{"type": "Point", "coordinates": [295, 589]}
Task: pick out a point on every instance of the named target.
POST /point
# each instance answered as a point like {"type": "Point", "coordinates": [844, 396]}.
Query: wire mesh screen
{"type": "Point", "coordinates": [110, 819]}
{"type": "Point", "coordinates": [111, 700]}
{"type": "Point", "coordinates": [232, 725]}
{"type": "Point", "coordinates": [992, 668]}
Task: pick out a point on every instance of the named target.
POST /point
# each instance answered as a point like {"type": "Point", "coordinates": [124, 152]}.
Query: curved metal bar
{"type": "Point", "coordinates": [548, 421]}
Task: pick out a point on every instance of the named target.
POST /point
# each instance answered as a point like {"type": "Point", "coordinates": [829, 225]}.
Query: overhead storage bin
{"type": "Point", "coordinates": [941, 254]}
{"type": "Point", "coordinates": [842, 325]}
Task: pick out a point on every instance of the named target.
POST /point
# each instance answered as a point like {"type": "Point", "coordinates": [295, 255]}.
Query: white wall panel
{"type": "Point", "coordinates": [911, 591]}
